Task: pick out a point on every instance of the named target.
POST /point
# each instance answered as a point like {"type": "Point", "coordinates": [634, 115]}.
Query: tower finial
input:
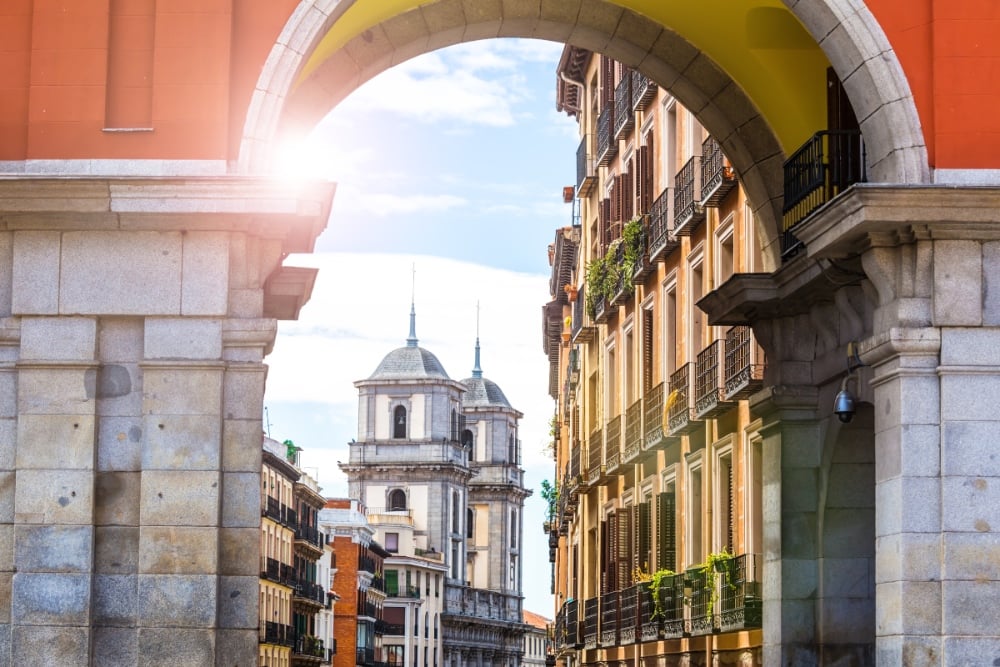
{"type": "Point", "coordinates": [477, 372]}
{"type": "Point", "coordinates": [411, 341]}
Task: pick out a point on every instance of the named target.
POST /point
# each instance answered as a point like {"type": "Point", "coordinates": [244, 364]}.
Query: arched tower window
{"type": "Point", "coordinates": [397, 500]}
{"type": "Point", "coordinates": [511, 454]}
{"type": "Point", "coordinates": [469, 517]}
{"type": "Point", "coordinates": [454, 425]}
{"type": "Point", "coordinates": [399, 423]}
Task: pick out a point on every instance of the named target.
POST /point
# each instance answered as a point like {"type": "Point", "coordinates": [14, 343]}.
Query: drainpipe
{"type": "Point", "coordinates": [579, 84]}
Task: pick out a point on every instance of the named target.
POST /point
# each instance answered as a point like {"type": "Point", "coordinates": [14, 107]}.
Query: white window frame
{"type": "Point", "coordinates": [694, 462]}
{"type": "Point", "coordinates": [720, 450]}
{"type": "Point", "coordinates": [666, 343]}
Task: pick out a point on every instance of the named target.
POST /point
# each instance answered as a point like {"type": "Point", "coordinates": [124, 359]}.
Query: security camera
{"type": "Point", "coordinates": [843, 405]}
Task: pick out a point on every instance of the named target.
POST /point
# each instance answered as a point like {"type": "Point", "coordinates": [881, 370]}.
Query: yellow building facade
{"type": "Point", "coordinates": [277, 554]}
{"type": "Point", "coordinates": [656, 531]}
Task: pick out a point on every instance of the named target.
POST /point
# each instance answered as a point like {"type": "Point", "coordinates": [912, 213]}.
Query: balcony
{"type": "Point", "coordinates": [590, 623]}
{"type": "Point", "coordinates": [653, 433]}
{"type": "Point", "coordinates": [596, 473]}
{"type": "Point", "coordinates": [609, 619]}
{"type": "Point", "coordinates": [739, 605]}
{"type": "Point", "coordinates": [276, 633]}
{"type": "Point", "coordinates": [607, 147]}
{"type": "Point", "coordinates": [402, 591]}
{"type": "Point", "coordinates": [271, 509]}
{"type": "Point", "coordinates": [623, 287]}
{"type": "Point", "coordinates": [662, 240]}
{"type": "Point", "coordinates": [309, 541]}
{"type": "Point", "coordinates": [365, 656]}
{"type": "Point", "coordinates": [463, 602]}
{"type": "Point", "coordinates": [643, 91]}
{"type": "Point", "coordinates": [573, 639]}
{"type": "Point", "coordinates": [628, 615]}
{"type": "Point", "coordinates": [709, 385]}
{"type": "Point", "coordinates": [582, 329]}
{"type": "Point", "coordinates": [643, 265]}
{"type": "Point", "coordinates": [308, 650]}
{"type": "Point", "coordinates": [650, 622]}
{"type": "Point", "coordinates": [613, 443]}
{"type": "Point", "coordinates": [668, 602]}
{"type": "Point", "coordinates": [309, 596]}
{"type": "Point", "coordinates": [624, 118]}
{"type": "Point", "coordinates": [586, 167]}
{"type": "Point", "coordinates": [826, 165]}
{"type": "Point", "coordinates": [680, 420]}
{"type": "Point", "coordinates": [688, 211]}
{"type": "Point", "coordinates": [717, 176]}
{"type": "Point", "coordinates": [633, 432]}
{"type": "Point", "coordinates": [270, 569]}
{"type": "Point", "coordinates": [744, 372]}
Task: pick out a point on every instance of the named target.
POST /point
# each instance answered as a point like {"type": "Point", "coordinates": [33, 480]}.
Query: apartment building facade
{"type": "Point", "coordinates": [656, 531]}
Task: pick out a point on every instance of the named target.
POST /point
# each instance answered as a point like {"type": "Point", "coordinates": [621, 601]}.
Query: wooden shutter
{"type": "Point", "coordinates": [648, 180]}
{"type": "Point", "coordinates": [666, 531]}
{"type": "Point", "coordinates": [643, 534]}
{"type": "Point", "coordinates": [731, 519]}
{"type": "Point", "coordinates": [629, 211]}
{"type": "Point", "coordinates": [647, 350]}
{"type": "Point", "coordinates": [624, 549]}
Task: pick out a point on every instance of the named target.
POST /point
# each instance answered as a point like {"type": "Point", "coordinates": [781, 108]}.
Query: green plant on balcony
{"type": "Point", "coordinates": [601, 278]}
{"type": "Point", "coordinates": [632, 238]}
{"type": "Point", "coordinates": [655, 581]}
{"type": "Point", "coordinates": [550, 494]}
{"type": "Point", "coordinates": [723, 563]}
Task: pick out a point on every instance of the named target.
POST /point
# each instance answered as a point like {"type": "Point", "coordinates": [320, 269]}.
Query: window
{"type": "Point", "coordinates": [397, 500]}
{"type": "Point", "coordinates": [469, 517]}
{"type": "Point", "coordinates": [394, 654]}
{"type": "Point", "coordinates": [648, 347]}
{"type": "Point", "coordinates": [513, 529]}
{"type": "Point", "coordinates": [753, 490]}
{"type": "Point", "coordinates": [513, 572]}
{"type": "Point", "coordinates": [399, 423]}
{"type": "Point", "coordinates": [454, 425]}
{"type": "Point", "coordinates": [724, 513]}
{"type": "Point", "coordinates": [468, 441]}
{"type": "Point", "coordinates": [391, 582]}
{"type": "Point", "coordinates": [693, 510]}
{"type": "Point", "coordinates": [392, 542]}
{"type": "Point", "coordinates": [670, 328]}
{"type": "Point", "coordinates": [725, 258]}
{"type": "Point", "coordinates": [696, 290]}
{"type": "Point", "coordinates": [628, 367]}
{"type": "Point", "coordinates": [511, 450]}
{"type": "Point", "coordinates": [455, 519]}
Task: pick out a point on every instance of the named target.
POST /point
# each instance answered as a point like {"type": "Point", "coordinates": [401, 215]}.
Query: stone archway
{"type": "Point", "coordinates": [852, 40]}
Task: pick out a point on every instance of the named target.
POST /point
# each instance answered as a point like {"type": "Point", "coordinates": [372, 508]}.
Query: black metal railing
{"type": "Point", "coordinates": [613, 442]}
{"type": "Point", "coordinates": [649, 621]}
{"type": "Point", "coordinates": [595, 455]}
{"type": "Point", "coordinates": [688, 212]}
{"type": "Point", "coordinates": [609, 618]}
{"type": "Point", "coordinates": [586, 167]}
{"type": "Point", "coordinates": [271, 509]}
{"type": "Point", "coordinates": [365, 656]}
{"type": "Point", "coordinates": [708, 383]}
{"type": "Point", "coordinates": [700, 602]}
{"type": "Point", "coordinates": [310, 534]}
{"type": "Point", "coordinates": [607, 146]}
{"type": "Point", "coordinates": [653, 418]}
{"type": "Point", "coordinates": [402, 591]}
{"type": "Point", "coordinates": [633, 430]}
{"type": "Point", "coordinates": [744, 371]}
{"type": "Point", "coordinates": [643, 266]}
{"type": "Point", "coordinates": [276, 633]}
{"type": "Point", "coordinates": [590, 622]}
{"type": "Point", "coordinates": [669, 606]}
{"type": "Point", "coordinates": [679, 413]}
{"type": "Point", "coordinates": [310, 646]}
{"type": "Point", "coordinates": [573, 638]}
{"type": "Point", "coordinates": [288, 575]}
{"type": "Point", "coordinates": [289, 517]}
{"type": "Point", "coordinates": [739, 600]}
{"type": "Point", "coordinates": [623, 283]}
{"type": "Point", "coordinates": [643, 90]}
{"type": "Point", "coordinates": [826, 165]}
{"type": "Point", "coordinates": [366, 564]}
{"type": "Point", "coordinates": [661, 227]}
{"type": "Point", "coordinates": [311, 591]}
{"type": "Point", "coordinates": [717, 175]}
{"type": "Point", "coordinates": [582, 330]}
{"type": "Point", "coordinates": [628, 615]}
{"type": "Point", "coordinates": [624, 118]}
{"type": "Point", "coordinates": [270, 568]}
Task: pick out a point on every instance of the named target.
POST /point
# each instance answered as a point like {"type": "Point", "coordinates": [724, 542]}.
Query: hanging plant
{"type": "Point", "coordinates": [632, 238]}
{"type": "Point", "coordinates": [717, 562]}
{"type": "Point", "coordinates": [655, 581]}
{"type": "Point", "coordinates": [550, 494]}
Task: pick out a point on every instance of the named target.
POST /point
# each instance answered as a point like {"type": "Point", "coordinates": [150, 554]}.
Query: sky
{"type": "Point", "coordinates": [449, 171]}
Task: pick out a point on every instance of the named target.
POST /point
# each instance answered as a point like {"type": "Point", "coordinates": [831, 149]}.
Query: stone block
{"type": "Point", "coordinates": [970, 556]}
{"type": "Point", "coordinates": [116, 599]}
{"type": "Point", "coordinates": [54, 497]}
{"type": "Point", "coordinates": [205, 274]}
{"type": "Point", "coordinates": [908, 505]}
{"type": "Point", "coordinates": [967, 396]}
{"type": "Point", "coordinates": [178, 550]}
{"type": "Point", "coordinates": [962, 346]}
{"type": "Point", "coordinates": [116, 647]}
{"type": "Point", "coordinates": [117, 498]}
{"type": "Point", "coordinates": [35, 273]}
{"type": "Point", "coordinates": [182, 338]}
{"type": "Point", "coordinates": [798, 449]}
{"type": "Point", "coordinates": [119, 389]}
{"type": "Point", "coordinates": [848, 578]}
{"type": "Point", "coordinates": [236, 647]}
{"type": "Point", "coordinates": [177, 601]}
{"type": "Point", "coordinates": [798, 535]}
{"type": "Point", "coordinates": [119, 444]}
{"type": "Point", "coordinates": [116, 550]}
{"type": "Point", "coordinates": [58, 338]}
{"type": "Point", "coordinates": [6, 583]}
{"type": "Point", "coordinates": [51, 599]}
{"type": "Point", "coordinates": [908, 557]}
{"type": "Point", "coordinates": [120, 273]}
{"type": "Point", "coordinates": [238, 604]}
{"type": "Point", "coordinates": [244, 391]}
{"type": "Point", "coordinates": [971, 504]}
{"type": "Point", "coordinates": [851, 485]}
{"type": "Point", "coordinates": [7, 496]}
{"type": "Point", "coordinates": [799, 579]}
{"type": "Point", "coordinates": [246, 303]}
{"type": "Point", "coordinates": [911, 450]}
{"type": "Point", "coordinates": [54, 391]}
{"type": "Point", "coordinates": [46, 646]}
{"type": "Point", "coordinates": [799, 489]}
{"type": "Point", "coordinates": [241, 499]}
{"type": "Point", "coordinates": [177, 647]}
{"type": "Point", "coordinates": [8, 390]}
{"type": "Point", "coordinates": [8, 443]}
{"type": "Point", "coordinates": [120, 339]}
{"type": "Point", "coordinates": [182, 442]}
{"type": "Point", "coordinates": [55, 441]}
{"type": "Point", "coordinates": [179, 498]}
{"type": "Point", "coordinates": [182, 391]}
{"type": "Point", "coordinates": [6, 547]}
{"type": "Point", "coordinates": [909, 650]}
{"type": "Point", "coordinates": [958, 283]}
{"type": "Point", "coordinates": [6, 275]}
{"type": "Point", "coordinates": [965, 651]}
{"type": "Point", "coordinates": [241, 448]}
{"type": "Point", "coordinates": [54, 548]}
{"type": "Point", "coordinates": [848, 532]}
{"type": "Point", "coordinates": [908, 607]}
{"type": "Point", "coordinates": [969, 606]}
{"type": "Point", "coordinates": [965, 449]}
{"type": "Point", "coordinates": [909, 399]}
{"type": "Point", "coordinates": [991, 283]}
{"type": "Point", "coordinates": [847, 620]}
{"type": "Point", "coordinates": [239, 551]}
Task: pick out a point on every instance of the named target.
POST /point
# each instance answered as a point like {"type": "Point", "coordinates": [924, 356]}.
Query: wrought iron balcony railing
{"type": "Point", "coordinates": [595, 456]}
{"type": "Point", "coordinates": [586, 167]}
{"type": "Point", "coordinates": [688, 211]}
{"type": "Point", "coordinates": [717, 175]}
{"type": "Point", "coordinates": [628, 615]}
{"type": "Point", "coordinates": [573, 638]}
{"type": "Point", "coordinates": [590, 622]}
{"type": "Point", "coordinates": [582, 329]}
{"type": "Point", "coordinates": [709, 400]}
{"type": "Point", "coordinates": [739, 603]}
{"type": "Point", "coordinates": [643, 265]}
{"type": "Point", "coordinates": [271, 509]}
{"type": "Point", "coordinates": [643, 90]}
{"type": "Point", "coordinates": [270, 568]}
{"type": "Point", "coordinates": [609, 619]}
{"type": "Point", "coordinates": [633, 431]}
{"type": "Point", "coordinates": [744, 372]}
{"type": "Point", "coordinates": [607, 145]}
{"type": "Point", "coordinates": [653, 419]}
{"type": "Point", "coordinates": [662, 240]}
{"type": "Point", "coordinates": [624, 118]}
{"type": "Point", "coordinates": [307, 645]}
{"type": "Point", "coordinates": [623, 284]}
{"type": "Point", "coordinates": [276, 633]}
{"type": "Point", "coordinates": [826, 165]}
{"type": "Point", "coordinates": [680, 418]}
{"type": "Point", "coordinates": [613, 443]}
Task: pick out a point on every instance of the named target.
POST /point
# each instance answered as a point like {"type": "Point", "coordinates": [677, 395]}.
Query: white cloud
{"type": "Point", "coordinates": [352, 200]}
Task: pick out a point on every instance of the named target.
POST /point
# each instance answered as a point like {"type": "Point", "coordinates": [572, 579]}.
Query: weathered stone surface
{"type": "Point", "coordinates": [238, 602]}
{"type": "Point", "coordinates": [116, 550]}
{"type": "Point", "coordinates": [971, 504]}
{"type": "Point", "coordinates": [181, 442]}
{"type": "Point", "coordinates": [205, 274]}
{"type": "Point", "coordinates": [177, 550]}
{"type": "Point", "coordinates": [58, 338]}
{"type": "Point", "coordinates": [117, 501]}
{"type": "Point", "coordinates": [239, 551]}
{"type": "Point", "coordinates": [236, 647]}
{"type": "Point", "coordinates": [181, 391]}
{"type": "Point", "coordinates": [177, 601]}
{"type": "Point", "coordinates": [54, 548]}
{"type": "Point", "coordinates": [36, 273]}
{"type": "Point", "coordinates": [8, 442]}
{"type": "Point", "coordinates": [958, 283]}
{"type": "Point", "coordinates": [116, 599]}
{"type": "Point", "coordinates": [178, 647]}
{"type": "Point", "coordinates": [240, 500]}
{"type": "Point", "coordinates": [6, 584]}
{"type": "Point", "coordinates": [183, 338]}
{"type": "Point", "coordinates": [45, 646]}
{"type": "Point", "coordinates": [6, 547]}
{"type": "Point", "coordinates": [244, 391]}
{"type": "Point", "coordinates": [115, 646]}
{"type": "Point", "coordinates": [55, 441]}
{"type": "Point", "coordinates": [51, 599]}
{"type": "Point", "coordinates": [241, 450]}
{"type": "Point", "coordinates": [54, 496]}
{"type": "Point", "coordinates": [119, 443]}
{"type": "Point", "coordinates": [54, 391]}
{"type": "Point", "coordinates": [127, 273]}
{"type": "Point", "coordinates": [179, 498]}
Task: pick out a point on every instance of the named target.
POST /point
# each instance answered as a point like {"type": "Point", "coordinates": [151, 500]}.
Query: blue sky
{"type": "Point", "coordinates": [453, 162]}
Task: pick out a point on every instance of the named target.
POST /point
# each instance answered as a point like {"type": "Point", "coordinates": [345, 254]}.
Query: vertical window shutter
{"type": "Point", "coordinates": [640, 180]}
{"type": "Point", "coordinates": [731, 519]}
{"type": "Point", "coordinates": [666, 534]}
{"type": "Point", "coordinates": [624, 548]}
{"type": "Point", "coordinates": [630, 193]}
{"type": "Point", "coordinates": [605, 558]}
{"type": "Point", "coordinates": [645, 533]}
{"type": "Point", "coordinates": [647, 350]}
{"type": "Point", "coordinates": [648, 177]}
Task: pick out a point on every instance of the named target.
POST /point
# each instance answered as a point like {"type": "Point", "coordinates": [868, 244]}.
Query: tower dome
{"type": "Point", "coordinates": [411, 362]}
{"type": "Point", "coordinates": [481, 392]}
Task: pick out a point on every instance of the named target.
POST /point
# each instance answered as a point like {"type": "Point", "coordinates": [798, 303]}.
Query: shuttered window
{"type": "Point", "coordinates": [666, 531]}
{"type": "Point", "coordinates": [623, 550]}
{"type": "Point", "coordinates": [643, 534]}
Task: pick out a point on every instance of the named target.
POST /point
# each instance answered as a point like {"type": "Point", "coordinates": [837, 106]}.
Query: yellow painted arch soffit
{"type": "Point", "coordinates": [760, 44]}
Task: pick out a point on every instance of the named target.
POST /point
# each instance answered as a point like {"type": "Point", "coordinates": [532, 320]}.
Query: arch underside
{"type": "Point", "coordinates": [297, 88]}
